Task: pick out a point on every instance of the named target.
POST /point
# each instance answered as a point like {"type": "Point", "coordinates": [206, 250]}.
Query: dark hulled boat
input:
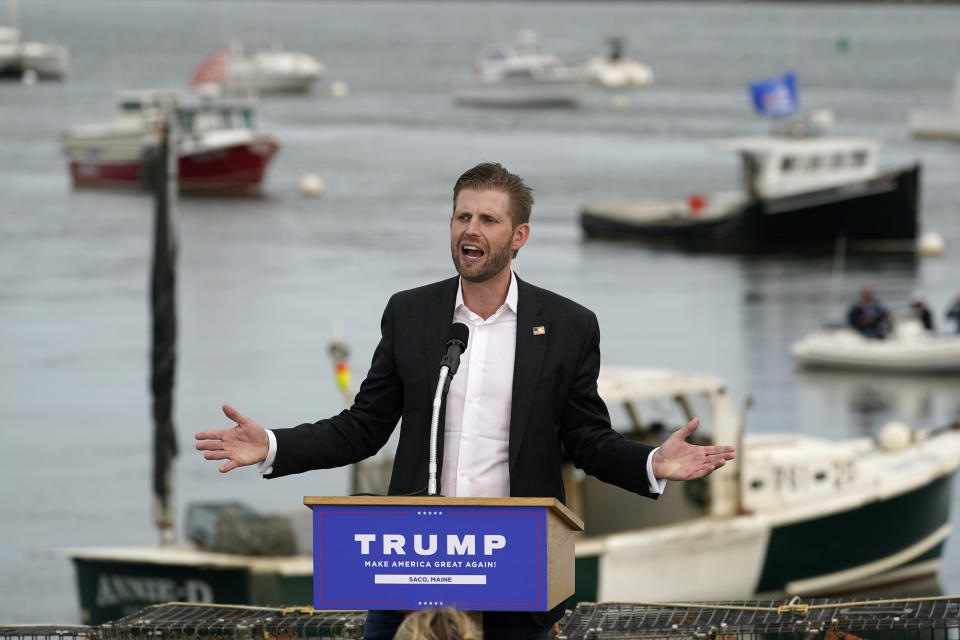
{"type": "Point", "coordinates": [798, 194]}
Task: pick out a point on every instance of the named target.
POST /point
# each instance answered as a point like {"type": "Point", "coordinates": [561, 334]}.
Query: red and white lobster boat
{"type": "Point", "coordinates": [219, 148]}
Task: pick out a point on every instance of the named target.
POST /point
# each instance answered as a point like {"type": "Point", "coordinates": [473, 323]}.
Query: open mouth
{"type": "Point", "coordinates": [471, 252]}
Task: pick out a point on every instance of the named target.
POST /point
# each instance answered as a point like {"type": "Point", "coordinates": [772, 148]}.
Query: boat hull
{"type": "Point", "coordinates": [527, 93]}
{"type": "Point", "coordinates": [884, 542]}
{"type": "Point", "coordinates": [879, 214]}
{"type": "Point", "coordinates": [233, 168]}
{"type": "Point", "coordinates": [845, 349]}
{"type": "Point", "coordinates": [114, 583]}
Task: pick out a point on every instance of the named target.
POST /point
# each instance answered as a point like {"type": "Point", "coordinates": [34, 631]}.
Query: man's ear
{"type": "Point", "coordinates": [521, 233]}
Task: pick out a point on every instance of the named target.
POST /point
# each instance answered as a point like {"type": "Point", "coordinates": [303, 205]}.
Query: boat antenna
{"type": "Point", "coordinates": [164, 320]}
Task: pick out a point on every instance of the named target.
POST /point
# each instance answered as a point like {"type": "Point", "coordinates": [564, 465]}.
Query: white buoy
{"type": "Point", "coordinates": [931, 244]}
{"type": "Point", "coordinates": [619, 102]}
{"type": "Point", "coordinates": [339, 89]}
{"type": "Point", "coordinates": [895, 436]}
{"type": "Point", "coordinates": [311, 186]}
{"type": "Point", "coordinates": [29, 77]}
{"type": "Point", "coordinates": [822, 118]}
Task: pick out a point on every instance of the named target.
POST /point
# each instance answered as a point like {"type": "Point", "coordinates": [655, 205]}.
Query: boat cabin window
{"type": "Point", "coordinates": [813, 163]}
{"type": "Point", "coordinates": [787, 164]}
{"type": "Point", "coordinates": [186, 119]}
{"type": "Point", "coordinates": [859, 158]}
{"type": "Point", "coordinates": [836, 161]}
{"type": "Point", "coordinates": [207, 119]}
{"type": "Point", "coordinates": [131, 105]}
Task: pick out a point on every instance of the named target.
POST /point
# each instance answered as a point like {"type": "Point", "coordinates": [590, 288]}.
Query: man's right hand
{"type": "Point", "coordinates": [246, 443]}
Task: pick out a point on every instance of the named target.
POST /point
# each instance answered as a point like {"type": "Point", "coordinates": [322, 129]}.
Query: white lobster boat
{"type": "Point", "coordinates": [786, 517]}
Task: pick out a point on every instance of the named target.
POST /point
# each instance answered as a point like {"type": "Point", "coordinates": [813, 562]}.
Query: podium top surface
{"type": "Point", "coordinates": [558, 507]}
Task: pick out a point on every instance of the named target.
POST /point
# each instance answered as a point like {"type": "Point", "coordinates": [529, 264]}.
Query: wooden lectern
{"type": "Point", "coordinates": [476, 554]}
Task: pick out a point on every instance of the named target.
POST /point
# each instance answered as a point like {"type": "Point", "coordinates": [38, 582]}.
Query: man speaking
{"type": "Point", "coordinates": [526, 391]}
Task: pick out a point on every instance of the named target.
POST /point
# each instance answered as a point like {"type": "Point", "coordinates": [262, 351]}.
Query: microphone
{"type": "Point", "coordinates": [456, 344]}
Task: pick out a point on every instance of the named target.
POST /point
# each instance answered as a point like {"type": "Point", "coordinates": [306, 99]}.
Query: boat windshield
{"type": "Point", "coordinates": [211, 118]}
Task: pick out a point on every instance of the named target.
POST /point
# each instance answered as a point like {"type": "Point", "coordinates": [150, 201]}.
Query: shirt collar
{"type": "Point", "coordinates": [512, 294]}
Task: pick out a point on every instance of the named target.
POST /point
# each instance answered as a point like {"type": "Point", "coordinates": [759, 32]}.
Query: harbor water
{"type": "Point", "coordinates": [265, 283]}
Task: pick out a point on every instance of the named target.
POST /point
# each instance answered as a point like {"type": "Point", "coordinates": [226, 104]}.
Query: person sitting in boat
{"type": "Point", "coordinates": [921, 311]}
{"type": "Point", "coordinates": [868, 316]}
{"type": "Point", "coordinates": [953, 313]}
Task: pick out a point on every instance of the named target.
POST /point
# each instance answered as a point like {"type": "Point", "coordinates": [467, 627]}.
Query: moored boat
{"type": "Point", "coordinates": [615, 71]}
{"type": "Point", "coordinates": [520, 74]}
{"type": "Point", "coordinates": [19, 57]}
{"type": "Point", "coordinates": [219, 149]}
{"type": "Point", "coordinates": [258, 63]}
{"type": "Point", "coordinates": [907, 349]}
{"type": "Point", "coordinates": [797, 194]}
{"type": "Point", "coordinates": [786, 517]}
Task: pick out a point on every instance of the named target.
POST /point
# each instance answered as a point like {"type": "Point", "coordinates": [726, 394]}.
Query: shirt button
{"type": "Point", "coordinates": [466, 436]}
{"type": "Point", "coordinates": [463, 474]}
{"type": "Point", "coordinates": [471, 399]}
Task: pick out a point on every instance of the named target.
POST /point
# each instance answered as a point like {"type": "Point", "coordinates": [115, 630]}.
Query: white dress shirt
{"type": "Point", "coordinates": [476, 439]}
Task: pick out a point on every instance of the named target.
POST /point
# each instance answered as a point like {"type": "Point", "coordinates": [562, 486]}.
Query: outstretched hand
{"type": "Point", "coordinates": [677, 459]}
{"type": "Point", "coordinates": [246, 443]}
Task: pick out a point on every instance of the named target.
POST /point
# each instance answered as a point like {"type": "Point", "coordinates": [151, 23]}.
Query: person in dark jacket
{"type": "Point", "coordinates": [868, 316]}
{"type": "Point", "coordinates": [921, 311]}
{"type": "Point", "coordinates": [953, 312]}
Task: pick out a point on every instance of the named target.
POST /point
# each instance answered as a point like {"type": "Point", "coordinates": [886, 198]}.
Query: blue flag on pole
{"type": "Point", "coordinates": [775, 96]}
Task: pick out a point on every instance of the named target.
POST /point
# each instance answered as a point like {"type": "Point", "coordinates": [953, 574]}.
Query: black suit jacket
{"type": "Point", "coordinates": [555, 407]}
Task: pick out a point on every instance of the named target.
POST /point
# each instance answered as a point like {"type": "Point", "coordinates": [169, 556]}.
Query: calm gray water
{"type": "Point", "coordinates": [264, 282]}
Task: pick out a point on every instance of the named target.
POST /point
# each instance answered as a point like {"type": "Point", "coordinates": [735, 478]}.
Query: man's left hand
{"type": "Point", "coordinates": [677, 459]}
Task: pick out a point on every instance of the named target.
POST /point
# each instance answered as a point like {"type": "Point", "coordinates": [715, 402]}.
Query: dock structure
{"type": "Point", "coordinates": [929, 618]}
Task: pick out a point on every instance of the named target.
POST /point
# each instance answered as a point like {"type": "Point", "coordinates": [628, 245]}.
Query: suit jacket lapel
{"type": "Point", "coordinates": [528, 358]}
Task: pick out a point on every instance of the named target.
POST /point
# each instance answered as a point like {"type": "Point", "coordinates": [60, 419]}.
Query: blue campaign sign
{"type": "Point", "coordinates": [775, 96]}
{"type": "Point", "coordinates": [481, 558]}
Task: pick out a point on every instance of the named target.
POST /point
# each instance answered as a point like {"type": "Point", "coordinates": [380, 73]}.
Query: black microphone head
{"type": "Point", "coordinates": [458, 333]}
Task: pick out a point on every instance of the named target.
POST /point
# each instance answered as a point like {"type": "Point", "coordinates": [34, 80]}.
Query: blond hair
{"type": "Point", "coordinates": [438, 624]}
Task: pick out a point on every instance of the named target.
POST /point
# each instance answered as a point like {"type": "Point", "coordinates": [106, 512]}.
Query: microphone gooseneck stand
{"type": "Point", "coordinates": [456, 345]}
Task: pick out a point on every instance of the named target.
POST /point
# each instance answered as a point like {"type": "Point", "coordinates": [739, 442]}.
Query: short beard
{"type": "Point", "coordinates": [497, 261]}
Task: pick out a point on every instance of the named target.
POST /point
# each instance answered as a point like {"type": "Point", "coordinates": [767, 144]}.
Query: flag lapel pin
{"type": "Point", "coordinates": [539, 330]}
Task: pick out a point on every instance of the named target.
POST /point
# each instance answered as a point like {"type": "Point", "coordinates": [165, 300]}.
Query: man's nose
{"type": "Point", "coordinates": [473, 227]}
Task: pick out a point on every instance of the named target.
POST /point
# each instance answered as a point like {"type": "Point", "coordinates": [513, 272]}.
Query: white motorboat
{"type": "Point", "coordinates": [909, 348]}
{"type": "Point", "coordinates": [520, 74]}
{"type": "Point", "coordinates": [798, 193]}
{"type": "Point", "coordinates": [785, 518]}
{"type": "Point", "coordinates": [614, 71]}
{"type": "Point", "coordinates": [258, 63]}
{"type": "Point", "coordinates": [219, 148]}
{"type": "Point", "coordinates": [943, 124]}
{"type": "Point", "coordinates": [20, 58]}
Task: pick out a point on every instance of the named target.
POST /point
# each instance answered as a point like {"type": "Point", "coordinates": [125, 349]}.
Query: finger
{"type": "Point", "coordinates": [232, 413]}
{"type": "Point", "coordinates": [216, 455]}
{"type": "Point", "coordinates": [209, 435]}
{"type": "Point", "coordinates": [230, 466]}
{"type": "Point", "coordinates": [691, 427]}
{"type": "Point", "coordinates": [210, 445]}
